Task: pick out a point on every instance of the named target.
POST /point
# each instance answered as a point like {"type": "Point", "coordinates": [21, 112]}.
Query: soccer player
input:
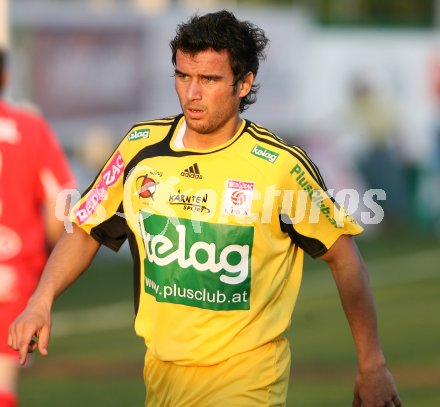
{"type": "Point", "coordinates": [218, 212]}
{"type": "Point", "coordinates": [33, 169]}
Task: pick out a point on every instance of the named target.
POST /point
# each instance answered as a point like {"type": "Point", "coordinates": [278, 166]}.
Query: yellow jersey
{"type": "Point", "coordinates": [217, 236]}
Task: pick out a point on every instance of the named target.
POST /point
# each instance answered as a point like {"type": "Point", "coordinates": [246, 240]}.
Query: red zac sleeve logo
{"type": "Point", "coordinates": [109, 176]}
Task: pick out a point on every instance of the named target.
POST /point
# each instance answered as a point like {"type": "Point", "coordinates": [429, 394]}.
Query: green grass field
{"type": "Point", "coordinates": [98, 362]}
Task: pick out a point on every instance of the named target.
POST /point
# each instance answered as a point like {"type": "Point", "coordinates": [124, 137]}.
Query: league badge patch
{"type": "Point", "coordinates": [238, 198]}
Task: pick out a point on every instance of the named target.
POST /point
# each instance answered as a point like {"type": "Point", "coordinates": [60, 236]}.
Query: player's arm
{"type": "Point", "coordinates": [374, 383]}
{"type": "Point", "coordinates": [71, 256]}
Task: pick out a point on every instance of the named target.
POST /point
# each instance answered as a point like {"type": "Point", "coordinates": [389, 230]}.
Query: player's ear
{"type": "Point", "coordinates": [245, 84]}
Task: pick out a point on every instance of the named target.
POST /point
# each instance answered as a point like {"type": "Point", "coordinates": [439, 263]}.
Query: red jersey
{"type": "Point", "coordinates": [32, 167]}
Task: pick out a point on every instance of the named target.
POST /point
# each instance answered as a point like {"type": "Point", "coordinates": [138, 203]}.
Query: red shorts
{"type": "Point", "coordinates": [15, 291]}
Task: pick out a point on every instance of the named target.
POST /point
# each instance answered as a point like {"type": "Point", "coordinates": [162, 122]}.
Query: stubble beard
{"type": "Point", "coordinates": [211, 124]}
{"type": "Point", "coordinates": [203, 127]}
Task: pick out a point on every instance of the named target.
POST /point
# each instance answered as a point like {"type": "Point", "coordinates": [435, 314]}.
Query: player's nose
{"type": "Point", "coordinates": [194, 90]}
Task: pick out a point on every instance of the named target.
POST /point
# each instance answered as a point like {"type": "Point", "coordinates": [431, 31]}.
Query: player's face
{"type": "Point", "coordinates": [205, 86]}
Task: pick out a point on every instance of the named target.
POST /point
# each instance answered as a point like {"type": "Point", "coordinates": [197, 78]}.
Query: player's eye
{"type": "Point", "coordinates": [210, 79]}
{"type": "Point", "coordinates": [180, 75]}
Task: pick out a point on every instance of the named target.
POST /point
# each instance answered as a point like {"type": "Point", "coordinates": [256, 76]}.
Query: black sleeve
{"type": "Point", "coordinates": [112, 232]}
{"type": "Point", "coordinates": [312, 246]}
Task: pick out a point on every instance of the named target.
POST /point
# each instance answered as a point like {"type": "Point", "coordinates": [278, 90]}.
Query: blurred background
{"type": "Point", "coordinates": [354, 82]}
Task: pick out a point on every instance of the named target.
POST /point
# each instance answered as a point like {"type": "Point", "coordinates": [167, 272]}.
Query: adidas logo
{"type": "Point", "coordinates": [192, 172]}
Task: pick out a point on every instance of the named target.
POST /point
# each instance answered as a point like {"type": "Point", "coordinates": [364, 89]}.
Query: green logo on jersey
{"type": "Point", "coordinates": [138, 134]}
{"type": "Point", "coordinates": [264, 153]}
{"type": "Point", "coordinates": [198, 264]}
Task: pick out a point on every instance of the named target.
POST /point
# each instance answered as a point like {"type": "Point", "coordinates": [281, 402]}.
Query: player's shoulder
{"type": "Point", "coordinates": [162, 122]}
{"type": "Point", "coordinates": [290, 159]}
{"type": "Point", "coordinates": [150, 130]}
{"type": "Point", "coordinates": [22, 112]}
{"type": "Point", "coordinates": [27, 124]}
{"type": "Point", "coordinates": [269, 140]}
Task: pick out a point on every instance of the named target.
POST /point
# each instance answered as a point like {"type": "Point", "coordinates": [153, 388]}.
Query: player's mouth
{"type": "Point", "coordinates": [194, 113]}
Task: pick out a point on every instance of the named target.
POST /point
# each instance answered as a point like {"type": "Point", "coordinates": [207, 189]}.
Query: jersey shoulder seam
{"type": "Point", "coordinates": [166, 121]}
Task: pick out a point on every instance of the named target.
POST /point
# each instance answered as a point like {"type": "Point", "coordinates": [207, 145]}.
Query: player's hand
{"type": "Point", "coordinates": [30, 331]}
{"type": "Point", "coordinates": [375, 388]}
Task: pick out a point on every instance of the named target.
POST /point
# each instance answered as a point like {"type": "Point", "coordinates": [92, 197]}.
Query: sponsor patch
{"type": "Point", "coordinates": [264, 153]}
{"type": "Point", "coordinates": [109, 177]}
{"type": "Point", "coordinates": [210, 269]}
{"type": "Point", "coordinates": [139, 134]}
{"type": "Point", "coordinates": [190, 202]}
{"type": "Point", "coordinates": [146, 186]}
{"type": "Point", "coordinates": [317, 196]}
{"type": "Point", "coordinates": [238, 198]}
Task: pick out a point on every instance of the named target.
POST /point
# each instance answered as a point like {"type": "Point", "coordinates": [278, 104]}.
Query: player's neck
{"type": "Point", "coordinates": [205, 141]}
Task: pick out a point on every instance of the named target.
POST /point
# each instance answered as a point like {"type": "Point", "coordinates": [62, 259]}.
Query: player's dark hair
{"type": "Point", "coordinates": [244, 42]}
